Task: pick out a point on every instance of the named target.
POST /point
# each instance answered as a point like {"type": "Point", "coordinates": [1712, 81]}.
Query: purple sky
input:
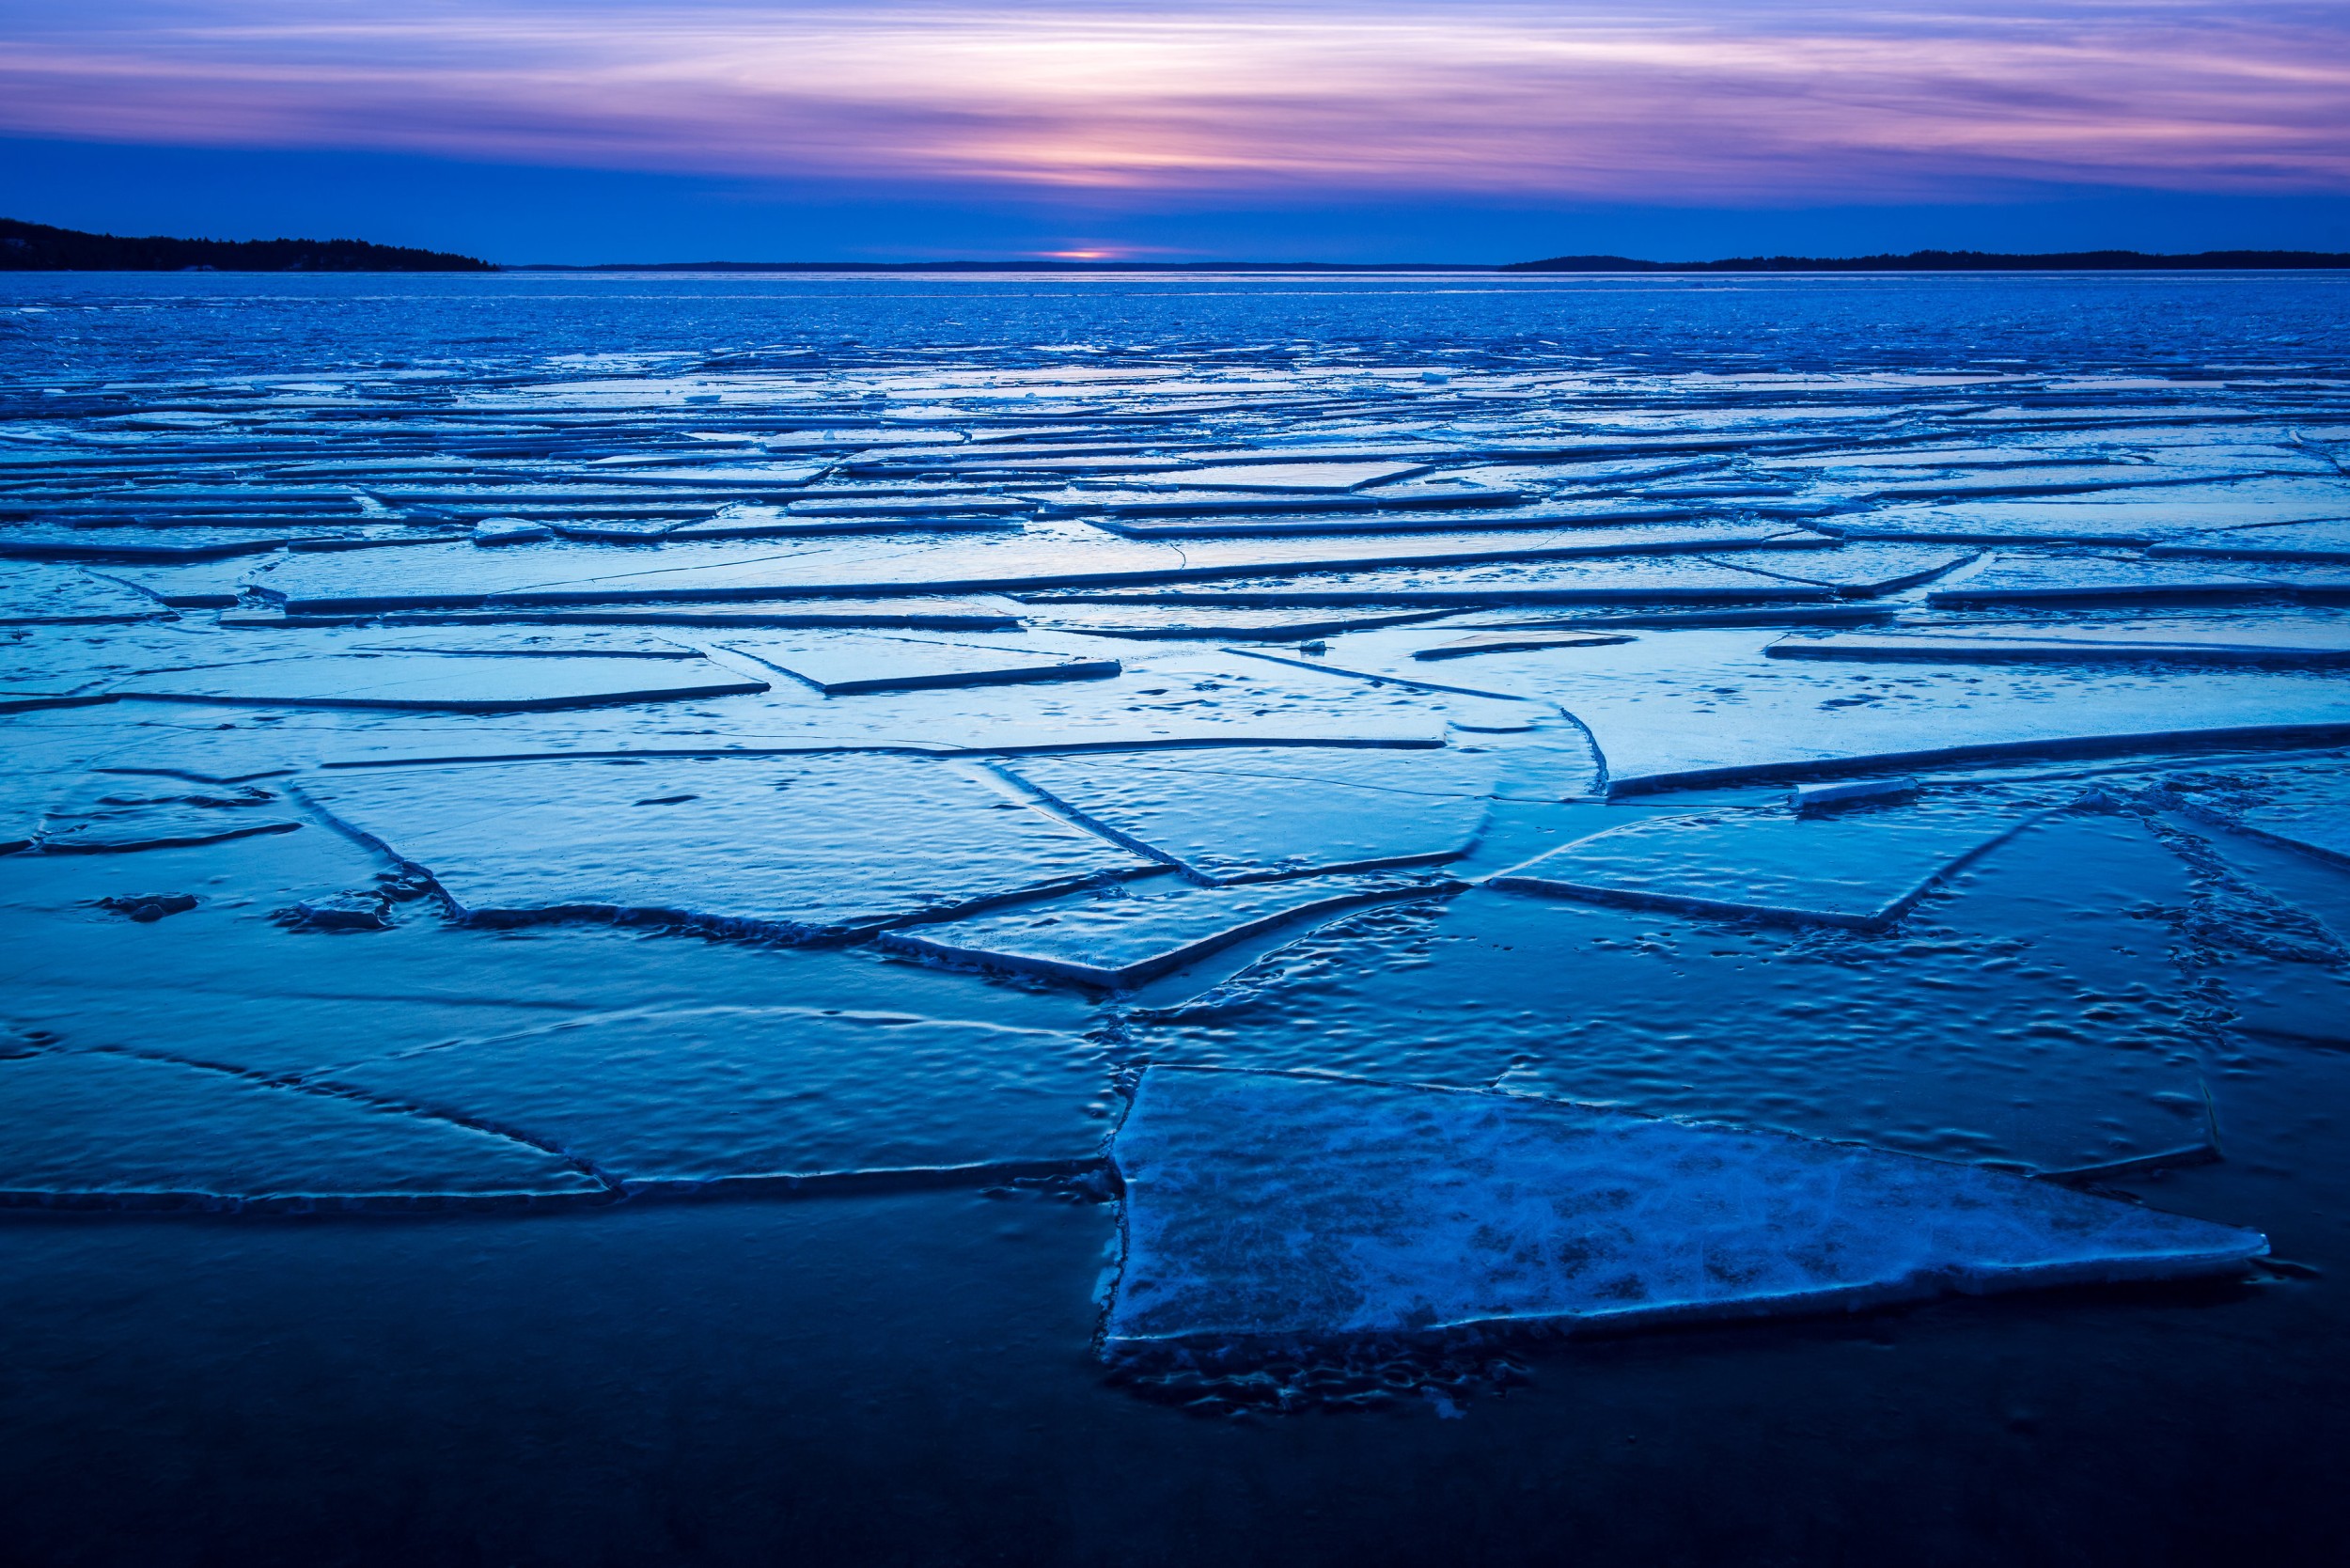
{"type": "Point", "coordinates": [1096, 127]}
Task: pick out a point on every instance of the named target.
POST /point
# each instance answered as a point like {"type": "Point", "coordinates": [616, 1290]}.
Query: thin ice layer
{"type": "Point", "coordinates": [2030, 1013]}
{"type": "Point", "coordinates": [450, 682]}
{"type": "Point", "coordinates": [841, 665]}
{"type": "Point", "coordinates": [100, 1129]}
{"type": "Point", "coordinates": [1259, 1205]}
{"type": "Point", "coordinates": [2172, 641]}
{"type": "Point", "coordinates": [1858, 871]}
{"type": "Point", "coordinates": [1251, 814]}
{"type": "Point", "coordinates": [806, 849]}
{"type": "Point", "coordinates": [767, 1096]}
{"type": "Point", "coordinates": [34, 594]}
{"type": "Point", "coordinates": [1129, 933]}
{"type": "Point", "coordinates": [2026, 579]}
{"type": "Point", "coordinates": [2328, 541]}
{"type": "Point", "coordinates": [1682, 707]}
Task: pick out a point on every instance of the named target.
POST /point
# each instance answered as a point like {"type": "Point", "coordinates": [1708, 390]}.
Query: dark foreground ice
{"type": "Point", "coordinates": [661, 919]}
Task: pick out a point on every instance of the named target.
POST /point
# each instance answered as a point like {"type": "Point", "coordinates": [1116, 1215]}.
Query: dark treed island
{"type": "Point", "coordinates": [33, 248]}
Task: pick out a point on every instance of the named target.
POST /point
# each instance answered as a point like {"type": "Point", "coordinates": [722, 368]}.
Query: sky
{"type": "Point", "coordinates": [583, 131]}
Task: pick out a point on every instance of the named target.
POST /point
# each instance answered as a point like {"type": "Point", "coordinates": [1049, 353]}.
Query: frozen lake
{"type": "Point", "coordinates": [713, 919]}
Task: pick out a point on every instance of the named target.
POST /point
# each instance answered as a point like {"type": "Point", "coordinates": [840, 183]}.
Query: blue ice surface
{"type": "Point", "coordinates": [1859, 870]}
{"type": "Point", "coordinates": [1017, 463]}
{"type": "Point", "coordinates": [1286, 1208]}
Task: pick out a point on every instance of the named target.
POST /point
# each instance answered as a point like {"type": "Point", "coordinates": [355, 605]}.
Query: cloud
{"type": "Point", "coordinates": [1691, 102]}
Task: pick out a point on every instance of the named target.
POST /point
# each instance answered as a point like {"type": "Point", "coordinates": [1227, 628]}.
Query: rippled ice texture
{"type": "Point", "coordinates": [566, 924]}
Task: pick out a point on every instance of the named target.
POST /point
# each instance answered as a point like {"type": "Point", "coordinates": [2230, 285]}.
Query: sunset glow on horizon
{"type": "Point", "coordinates": [1692, 102]}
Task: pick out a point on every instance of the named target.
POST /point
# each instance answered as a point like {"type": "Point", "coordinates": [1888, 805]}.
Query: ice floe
{"type": "Point", "coordinates": [92, 1129]}
{"type": "Point", "coordinates": [1242, 814]}
{"type": "Point", "coordinates": [1264, 1206]}
{"type": "Point", "coordinates": [1131, 931]}
{"type": "Point", "coordinates": [1857, 871]}
{"type": "Point", "coordinates": [775, 848]}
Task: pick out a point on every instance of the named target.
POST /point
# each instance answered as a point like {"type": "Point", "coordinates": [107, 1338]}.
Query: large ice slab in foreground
{"type": "Point", "coordinates": [813, 848]}
{"type": "Point", "coordinates": [1267, 1206]}
{"type": "Point", "coordinates": [1252, 814]}
{"type": "Point", "coordinates": [1859, 870]}
{"type": "Point", "coordinates": [1130, 931]}
{"type": "Point", "coordinates": [97, 1129]}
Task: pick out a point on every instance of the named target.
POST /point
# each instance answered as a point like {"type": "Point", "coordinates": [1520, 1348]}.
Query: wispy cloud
{"type": "Point", "coordinates": [1695, 100]}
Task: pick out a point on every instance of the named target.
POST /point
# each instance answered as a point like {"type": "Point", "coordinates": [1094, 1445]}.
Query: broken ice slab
{"type": "Point", "coordinates": [23, 699]}
{"type": "Point", "coordinates": [449, 683]}
{"type": "Point", "coordinates": [2328, 541]}
{"type": "Point", "coordinates": [2147, 518]}
{"type": "Point", "coordinates": [806, 849]}
{"type": "Point", "coordinates": [1220, 524]}
{"type": "Point", "coordinates": [1861, 871]}
{"type": "Point", "coordinates": [119, 814]}
{"type": "Point", "coordinates": [771, 1099]}
{"type": "Point", "coordinates": [1704, 706]}
{"type": "Point", "coordinates": [34, 594]}
{"type": "Point", "coordinates": [1173, 621]}
{"type": "Point", "coordinates": [2304, 808]}
{"type": "Point", "coordinates": [821, 523]}
{"type": "Point", "coordinates": [963, 504]}
{"type": "Point", "coordinates": [167, 546]}
{"type": "Point", "coordinates": [543, 576]}
{"type": "Point", "coordinates": [841, 665]}
{"type": "Point", "coordinates": [1860, 571]}
{"type": "Point", "coordinates": [510, 642]}
{"type": "Point", "coordinates": [727, 475]}
{"type": "Point", "coordinates": [2090, 1054]}
{"type": "Point", "coordinates": [1854, 791]}
{"type": "Point", "coordinates": [2025, 580]}
{"type": "Point", "coordinates": [104, 1130]}
{"type": "Point", "coordinates": [1821, 614]}
{"type": "Point", "coordinates": [2162, 641]}
{"type": "Point", "coordinates": [1123, 934]}
{"type": "Point", "coordinates": [509, 530]}
{"type": "Point", "coordinates": [1255, 814]}
{"type": "Point", "coordinates": [1266, 1206]}
{"type": "Point", "coordinates": [1669, 581]}
{"type": "Point", "coordinates": [907, 615]}
{"type": "Point", "coordinates": [1108, 507]}
{"type": "Point", "coordinates": [1518, 642]}
{"type": "Point", "coordinates": [211, 585]}
{"type": "Point", "coordinates": [1300, 477]}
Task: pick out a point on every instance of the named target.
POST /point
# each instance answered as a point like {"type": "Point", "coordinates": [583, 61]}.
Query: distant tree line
{"type": "Point", "coordinates": [37, 247]}
{"type": "Point", "coordinates": [1959, 261]}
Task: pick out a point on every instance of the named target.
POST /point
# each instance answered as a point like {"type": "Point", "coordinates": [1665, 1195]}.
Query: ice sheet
{"type": "Point", "coordinates": [1132, 932]}
{"type": "Point", "coordinates": [1682, 707]}
{"type": "Point", "coordinates": [2027, 1013]}
{"type": "Point", "coordinates": [2163, 641]}
{"type": "Point", "coordinates": [449, 681]}
{"type": "Point", "coordinates": [1861, 871]}
{"type": "Point", "coordinates": [781, 849]}
{"type": "Point", "coordinates": [1243, 814]}
{"type": "Point", "coordinates": [32, 594]}
{"type": "Point", "coordinates": [2010, 579]}
{"type": "Point", "coordinates": [767, 1099]}
{"type": "Point", "coordinates": [841, 665]}
{"type": "Point", "coordinates": [107, 1130]}
{"type": "Point", "coordinates": [1267, 1207]}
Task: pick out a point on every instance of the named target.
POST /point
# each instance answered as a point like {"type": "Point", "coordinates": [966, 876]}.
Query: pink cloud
{"type": "Point", "coordinates": [1694, 103]}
